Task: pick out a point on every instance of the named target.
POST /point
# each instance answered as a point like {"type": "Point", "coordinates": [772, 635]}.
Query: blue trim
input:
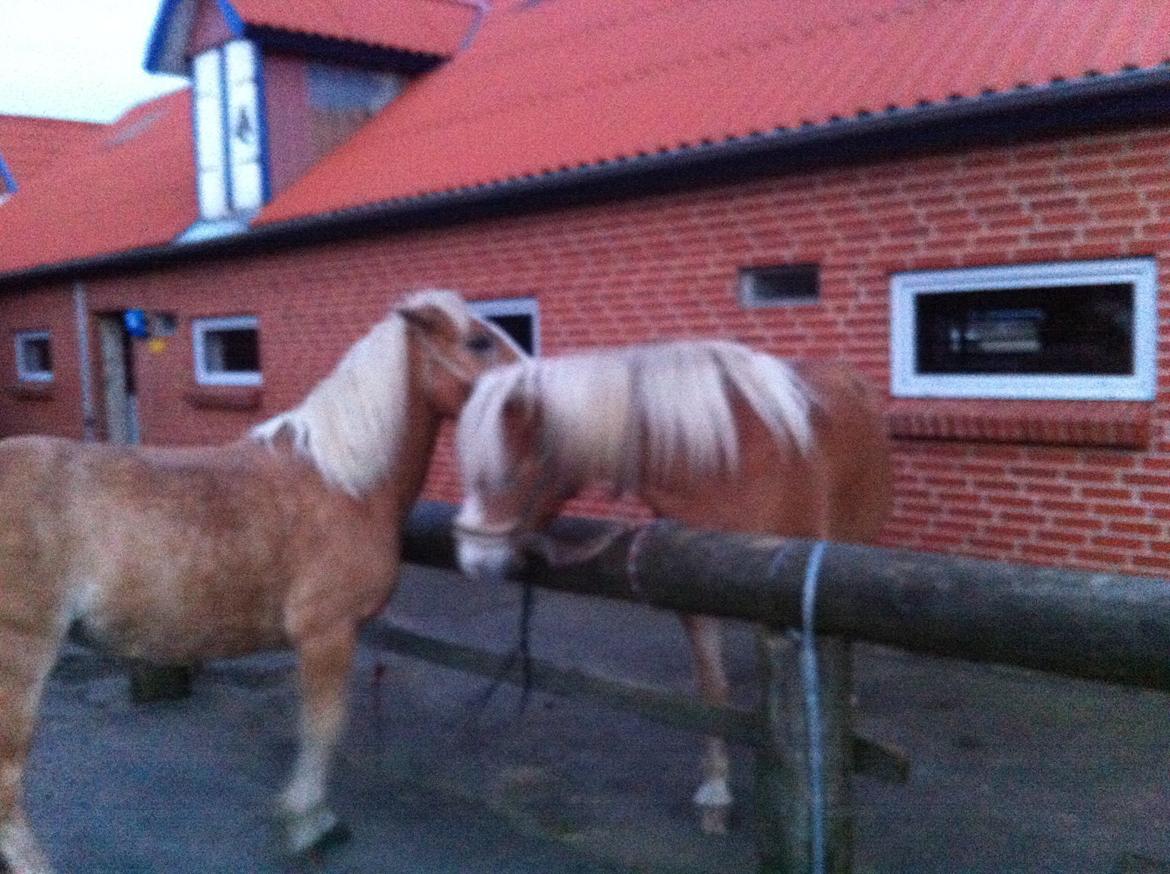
{"type": "Point", "coordinates": [155, 46]}
{"type": "Point", "coordinates": [232, 17]}
{"type": "Point", "coordinates": [7, 177]}
{"type": "Point", "coordinates": [225, 116]}
{"type": "Point", "coordinates": [262, 125]}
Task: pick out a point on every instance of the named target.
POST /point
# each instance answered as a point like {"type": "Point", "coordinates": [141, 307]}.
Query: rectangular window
{"type": "Point", "coordinates": [518, 317]}
{"type": "Point", "coordinates": [229, 134]}
{"type": "Point", "coordinates": [227, 351]}
{"type": "Point", "coordinates": [1075, 330]}
{"type": "Point", "coordinates": [34, 356]}
{"type": "Point", "coordinates": [779, 286]}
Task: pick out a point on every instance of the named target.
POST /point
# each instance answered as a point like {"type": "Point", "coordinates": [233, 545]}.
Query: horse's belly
{"type": "Point", "coordinates": [179, 627]}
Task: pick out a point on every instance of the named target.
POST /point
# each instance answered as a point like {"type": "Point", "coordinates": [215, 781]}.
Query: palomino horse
{"type": "Point", "coordinates": [288, 536]}
{"type": "Point", "coordinates": [711, 434]}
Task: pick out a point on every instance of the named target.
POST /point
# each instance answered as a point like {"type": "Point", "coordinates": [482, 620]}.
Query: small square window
{"type": "Point", "coordinates": [1070, 331]}
{"type": "Point", "coordinates": [34, 356]}
{"type": "Point", "coordinates": [779, 286]}
{"type": "Point", "coordinates": [519, 318]}
{"type": "Point", "coordinates": [227, 351]}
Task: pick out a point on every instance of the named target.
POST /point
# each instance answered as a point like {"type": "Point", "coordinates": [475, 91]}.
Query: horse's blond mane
{"type": "Point", "coordinates": [351, 424]}
{"type": "Point", "coordinates": [605, 413]}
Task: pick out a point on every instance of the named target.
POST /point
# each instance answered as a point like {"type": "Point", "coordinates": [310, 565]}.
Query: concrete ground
{"type": "Point", "coordinates": [1012, 771]}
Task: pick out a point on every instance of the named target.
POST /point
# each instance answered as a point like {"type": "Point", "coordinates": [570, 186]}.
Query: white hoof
{"type": "Point", "coordinates": [713, 799]}
{"type": "Point", "coordinates": [311, 830]}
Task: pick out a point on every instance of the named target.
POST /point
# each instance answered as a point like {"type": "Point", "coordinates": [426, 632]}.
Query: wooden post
{"type": "Point", "coordinates": [784, 789]}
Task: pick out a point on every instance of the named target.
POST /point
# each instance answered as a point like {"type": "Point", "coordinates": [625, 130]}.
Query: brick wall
{"type": "Point", "coordinates": [666, 267]}
{"type": "Point", "coordinates": [40, 408]}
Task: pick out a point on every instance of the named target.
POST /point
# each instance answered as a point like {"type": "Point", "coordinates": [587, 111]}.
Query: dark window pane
{"type": "Point", "coordinates": [1082, 329]}
{"type": "Point", "coordinates": [235, 350]}
{"type": "Point", "coordinates": [36, 355]}
{"type": "Point", "coordinates": [519, 328]}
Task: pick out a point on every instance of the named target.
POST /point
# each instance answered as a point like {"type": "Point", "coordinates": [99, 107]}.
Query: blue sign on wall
{"type": "Point", "coordinates": [136, 324]}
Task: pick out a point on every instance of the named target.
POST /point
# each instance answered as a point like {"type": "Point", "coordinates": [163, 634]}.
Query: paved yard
{"type": "Point", "coordinates": [1012, 772]}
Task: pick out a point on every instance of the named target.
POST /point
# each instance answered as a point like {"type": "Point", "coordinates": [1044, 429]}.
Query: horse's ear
{"type": "Point", "coordinates": [428, 318]}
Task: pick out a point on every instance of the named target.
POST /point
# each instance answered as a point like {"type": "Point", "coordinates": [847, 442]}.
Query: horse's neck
{"type": "Point", "coordinates": [408, 469]}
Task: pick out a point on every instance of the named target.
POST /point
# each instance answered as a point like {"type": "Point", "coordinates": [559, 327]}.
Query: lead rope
{"type": "Point", "coordinates": [810, 676]}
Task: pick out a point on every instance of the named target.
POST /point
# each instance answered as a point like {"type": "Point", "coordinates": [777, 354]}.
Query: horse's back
{"type": "Point", "coordinates": [852, 444]}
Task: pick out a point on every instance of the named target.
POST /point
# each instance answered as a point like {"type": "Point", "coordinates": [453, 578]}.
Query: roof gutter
{"type": "Point", "coordinates": [1090, 103]}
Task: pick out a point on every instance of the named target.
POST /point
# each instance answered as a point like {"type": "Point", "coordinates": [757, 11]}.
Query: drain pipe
{"type": "Point", "coordinates": [85, 364]}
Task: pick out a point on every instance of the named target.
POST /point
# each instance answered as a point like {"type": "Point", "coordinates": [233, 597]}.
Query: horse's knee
{"type": "Point", "coordinates": [13, 753]}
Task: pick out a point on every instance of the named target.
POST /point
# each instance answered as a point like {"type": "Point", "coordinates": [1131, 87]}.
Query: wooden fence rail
{"type": "Point", "coordinates": [1096, 626]}
{"type": "Point", "coordinates": [1089, 625]}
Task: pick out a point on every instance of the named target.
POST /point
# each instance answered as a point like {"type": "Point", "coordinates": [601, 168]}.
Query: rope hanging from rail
{"type": "Point", "coordinates": [811, 682]}
{"type": "Point", "coordinates": [812, 703]}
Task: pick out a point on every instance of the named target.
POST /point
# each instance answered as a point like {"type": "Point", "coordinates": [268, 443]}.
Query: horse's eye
{"type": "Point", "coordinates": [480, 343]}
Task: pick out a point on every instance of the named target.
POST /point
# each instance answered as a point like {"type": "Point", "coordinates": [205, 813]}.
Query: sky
{"type": "Point", "coordinates": [76, 59]}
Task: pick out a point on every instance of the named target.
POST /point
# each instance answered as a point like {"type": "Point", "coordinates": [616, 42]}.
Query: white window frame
{"type": "Point", "coordinates": [227, 81]}
{"type": "Point", "coordinates": [24, 375]}
{"type": "Point", "coordinates": [515, 306]}
{"type": "Point", "coordinates": [200, 328]}
{"type": "Point", "coordinates": [1141, 385]}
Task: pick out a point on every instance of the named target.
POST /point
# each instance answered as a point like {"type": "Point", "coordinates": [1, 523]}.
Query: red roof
{"type": "Point", "coordinates": [560, 84]}
{"type": "Point", "coordinates": [28, 145]}
{"type": "Point", "coordinates": [130, 186]}
{"type": "Point", "coordinates": [431, 26]}
{"type": "Point", "coordinates": [567, 83]}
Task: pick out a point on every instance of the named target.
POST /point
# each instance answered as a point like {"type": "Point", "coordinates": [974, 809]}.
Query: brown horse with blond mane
{"type": "Point", "coordinates": [711, 434]}
{"type": "Point", "coordinates": [289, 536]}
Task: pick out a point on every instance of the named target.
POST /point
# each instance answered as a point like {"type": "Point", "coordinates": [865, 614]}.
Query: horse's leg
{"type": "Point", "coordinates": [28, 646]}
{"type": "Point", "coordinates": [713, 797]}
{"type": "Point", "coordinates": [325, 661]}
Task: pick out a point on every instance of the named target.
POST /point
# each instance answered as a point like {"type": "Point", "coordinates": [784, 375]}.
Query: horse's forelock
{"type": "Point", "coordinates": [449, 303]}
{"type": "Point", "coordinates": [480, 438]}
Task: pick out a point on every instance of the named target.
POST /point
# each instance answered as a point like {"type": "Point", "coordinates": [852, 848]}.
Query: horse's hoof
{"type": "Point", "coordinates": [335, 837]}
{"type": "Point", "coordinates": [713, 820]}
{"type": "Point", "coordinates": [713, 800]}
{"type": "Point", "coordinates": [314, 832]}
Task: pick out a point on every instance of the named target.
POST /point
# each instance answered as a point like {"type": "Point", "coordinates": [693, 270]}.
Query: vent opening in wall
{"type": "Point", "coordinates": [779, 285]}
